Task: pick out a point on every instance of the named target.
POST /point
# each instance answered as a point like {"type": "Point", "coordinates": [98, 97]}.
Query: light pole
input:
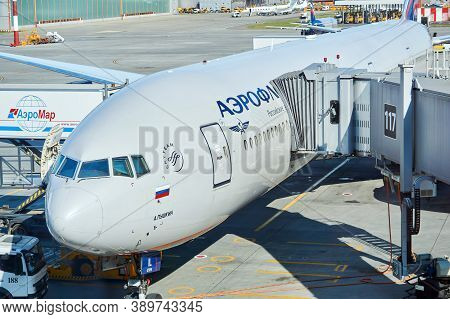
{"type": "Point", "coordinates": [15, 24]}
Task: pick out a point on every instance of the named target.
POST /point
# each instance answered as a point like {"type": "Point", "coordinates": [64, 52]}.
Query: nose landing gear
{"type": "Point", "coordinates": [145, 264]}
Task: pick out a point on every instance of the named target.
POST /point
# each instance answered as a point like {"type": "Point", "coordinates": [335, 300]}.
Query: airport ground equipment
{"type": "Point", "coordinates": [438, 61]}
{"type": "Point", "coordinates": [434, 282]}
{"type": "Point", "coordinates": [23, 270]}
{"type": "Point", "coordinates": [22, 131]}
{"type": "Point", "coordinates": [400, 119]}
{"type": "Point", "coordinates": [31, 110]}
{"type": "Point", "coordinates": [74, 266]}
{"type": "Point", "coordinates": [50, 150]}
{"type": "Point", "coordinates": [146, 264]}
{"type": "Point", "coordinates": [63, 263]}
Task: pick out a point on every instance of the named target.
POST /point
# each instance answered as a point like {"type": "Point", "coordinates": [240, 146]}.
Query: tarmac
{"type": "Point", "coordinates": [140, 44]}
{"type": "Point", "coordinates": [309, 237]}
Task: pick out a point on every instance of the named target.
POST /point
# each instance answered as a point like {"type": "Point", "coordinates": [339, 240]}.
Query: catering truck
{"type": "Point", "coordinates": [29, 111]}
{"type": "Point", "coordinates": [23, 270]}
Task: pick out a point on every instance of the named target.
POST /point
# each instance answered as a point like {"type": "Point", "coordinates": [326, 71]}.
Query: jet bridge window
{"type": "Point", "coordinates": [122, 167]}
{"type": "Point", "coordinates": [140, 165]}
{"type": "Point", "coordinates": [68, 168]}
{"type": "Point", "coordinates": [99, 168]}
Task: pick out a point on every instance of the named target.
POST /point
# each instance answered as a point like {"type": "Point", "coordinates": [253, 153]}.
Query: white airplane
{"type": "Point", "coordinates": [155, 166]}
{"type": "Point", "coordinates": [277, 9]}
{"type": "Point", "coordinates": [323, 25]}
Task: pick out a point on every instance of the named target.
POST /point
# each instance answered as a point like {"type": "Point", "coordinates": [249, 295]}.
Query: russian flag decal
{"type": "Point", "coordinates": [162, 191]}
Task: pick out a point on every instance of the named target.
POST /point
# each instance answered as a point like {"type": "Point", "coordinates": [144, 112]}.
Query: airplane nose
{"type": "Point", "coordinates": [74, 216]}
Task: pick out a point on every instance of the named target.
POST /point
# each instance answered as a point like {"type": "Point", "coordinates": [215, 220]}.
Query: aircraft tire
{"type": "Point", "coordinates": [83, 267]}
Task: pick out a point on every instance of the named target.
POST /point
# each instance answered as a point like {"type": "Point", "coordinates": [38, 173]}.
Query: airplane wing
{"type": "Point", "coordinates": [89, 73]}
{"type": "Point", "coordinates": [286, 28]}
{"type": "Point", "coordinates": [441, 39]}
{"type": "Point", "coordinates": [321, 29]}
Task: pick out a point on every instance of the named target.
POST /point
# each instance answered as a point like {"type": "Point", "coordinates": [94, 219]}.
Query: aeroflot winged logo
{"type": "Point", "coordinates": [31, 114]}
{"type": "Point", "coordinates": [241, 127]}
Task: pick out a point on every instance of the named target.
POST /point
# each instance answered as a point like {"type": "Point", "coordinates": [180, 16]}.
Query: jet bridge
{"type": "Point", "coordinates": [328, 109]}
{"type": "Point", "coordinates": [401, 119]}
{"type": "Point", "coordinates": [353, 112]}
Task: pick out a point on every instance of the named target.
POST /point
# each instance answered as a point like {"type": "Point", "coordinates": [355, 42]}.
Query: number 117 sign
{"type": "Point", "coordinates": [390, 121]}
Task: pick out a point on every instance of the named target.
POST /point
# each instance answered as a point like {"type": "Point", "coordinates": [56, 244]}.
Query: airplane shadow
{"type": "Point", "coordinates": [312, 251]}
{"type": "Point", "coordinates": [294, 242]}
{"type": "Point", "coordinates": [437, 204]}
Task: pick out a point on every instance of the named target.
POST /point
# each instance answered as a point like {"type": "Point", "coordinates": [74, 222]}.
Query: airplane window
{"type": "Point", "coordinates": [245, 144]}
{"type": "Point", "coordinates": [122, 167]}
{"type": "Point", "coordinates": [57, 163]}
{"type": "Point", "coordinates": [256, 140]}
{"type": "Point", "coordinates": [251, 142]}
{"type": "Point", "coordinates": [140, 166]}
{"type": "Point", "coordinates": [271, 129]}
{"type": "Point", "coordinates": [92, 169]}
{"type": "Point", "coordinates": [68, 168]}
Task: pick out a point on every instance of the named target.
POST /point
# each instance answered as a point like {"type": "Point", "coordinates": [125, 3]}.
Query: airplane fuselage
{"type": "Point", "coordinates": [215, 136]}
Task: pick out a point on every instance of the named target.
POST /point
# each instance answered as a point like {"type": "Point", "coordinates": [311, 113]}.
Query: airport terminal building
{"type": "Point", "coordinates": [53, 11]}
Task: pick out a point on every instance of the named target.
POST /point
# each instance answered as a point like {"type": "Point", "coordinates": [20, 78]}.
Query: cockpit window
{"type": "Point", "coordinates": [122, 167]}
{"type": "Point", "coordinates": [140, 166]}
{"type": "Point", "coordinates": [99, 168]}
{"type": "Point", "coordinates": [57, 163]}
{"type": "Point", "coordinates": [68, 168]}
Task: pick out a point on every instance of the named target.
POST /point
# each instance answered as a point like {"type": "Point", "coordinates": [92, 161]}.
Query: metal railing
{"type": "Point", "coordinates": [18, 167]}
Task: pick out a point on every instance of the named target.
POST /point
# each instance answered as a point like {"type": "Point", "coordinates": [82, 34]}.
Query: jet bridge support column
{"type": "Point", "coordinates": [406, 127]}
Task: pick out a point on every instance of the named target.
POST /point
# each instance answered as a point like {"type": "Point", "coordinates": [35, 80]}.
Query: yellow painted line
{"type": "Point", "coordinates": [341, 268]}
{"type": "Point", "coordinates": [296, 199]}
{"type": "Point", "coordinates": [222, 259]}
{"type": "Point", "coordinates": [297, 274]}
{"type": "Point", "coordinates": [301, 263]}
{"type": "Point", "coordinates": [240, 240]}
{"type": "Point", "coordinates": [285, 208]}
{"type": "Point", "coordinates": [358, 247]}
{"type": "Point", "coordinates": [182, 290]}
{"type": "Point", "coordinates": [209, 268]}
{"type": "Point", "coordinates": [316, 243]}
{"type": "Point", "coordinates": [283, 272]}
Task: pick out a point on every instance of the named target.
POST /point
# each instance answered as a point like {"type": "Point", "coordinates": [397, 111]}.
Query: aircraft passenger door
{"type": "Point", "coordinates": [220, 153]}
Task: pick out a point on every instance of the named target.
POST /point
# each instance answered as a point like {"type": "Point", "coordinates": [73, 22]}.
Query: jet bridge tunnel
{"type": "Point", "coordinates": [399, 119]}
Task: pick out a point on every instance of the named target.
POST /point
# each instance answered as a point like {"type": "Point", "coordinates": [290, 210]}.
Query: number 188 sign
{"type": "Point", "coordinates": [390, 121]}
